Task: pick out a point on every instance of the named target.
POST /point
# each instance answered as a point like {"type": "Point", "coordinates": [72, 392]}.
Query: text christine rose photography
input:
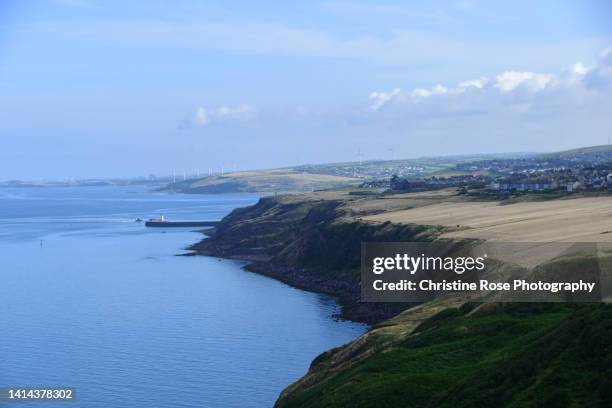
{"type": "Point", "coordinates": [485, 271]}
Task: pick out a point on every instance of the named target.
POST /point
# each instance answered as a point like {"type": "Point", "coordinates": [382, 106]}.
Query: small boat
{"type": "Point", "coordinates": [138, 220]}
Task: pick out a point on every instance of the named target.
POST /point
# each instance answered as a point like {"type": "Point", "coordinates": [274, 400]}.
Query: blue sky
{"type": "Point", "coordinates": [110, 88]}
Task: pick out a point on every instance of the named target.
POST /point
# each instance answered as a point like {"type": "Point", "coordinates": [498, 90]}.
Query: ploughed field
{"type": "Point", "coordinates": [573, 220]}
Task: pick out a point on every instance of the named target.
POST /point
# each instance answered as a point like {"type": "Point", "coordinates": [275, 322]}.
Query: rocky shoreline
{"type": "Point", "coordinates": [309, 244]}
{"type": "Point", "coordinates": [345, 294]}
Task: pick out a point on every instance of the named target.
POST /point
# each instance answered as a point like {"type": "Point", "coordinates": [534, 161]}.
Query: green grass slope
{"type": "Point", "coordinates": [520, 355]}
{"type": "Point", "coordinates": [265, 181]}
{"type": "Point", "coordinates": [583, 150]}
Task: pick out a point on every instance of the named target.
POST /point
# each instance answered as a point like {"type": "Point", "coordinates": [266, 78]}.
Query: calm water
{"type": "Point", "coordinates": [91, 299]}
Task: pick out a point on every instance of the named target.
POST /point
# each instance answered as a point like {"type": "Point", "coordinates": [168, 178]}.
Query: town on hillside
{"type": "Point", "coordinates": [588, 169]}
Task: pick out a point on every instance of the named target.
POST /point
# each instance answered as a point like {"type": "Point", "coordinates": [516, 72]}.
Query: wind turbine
{"type": "Point", "coordinates": [359, 155]}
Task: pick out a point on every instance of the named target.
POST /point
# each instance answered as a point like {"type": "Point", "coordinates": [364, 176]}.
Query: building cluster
{"type": "Point", "coordinates": [596, 178]}
{"type": "Point", "coordinates": [539, 163]}
{"type": "Point", "coordinates": [433, 183]}
{"type": "Point", "coordinates": [365, 170]}
{"type": "Point", "coordinates": [570, 180]}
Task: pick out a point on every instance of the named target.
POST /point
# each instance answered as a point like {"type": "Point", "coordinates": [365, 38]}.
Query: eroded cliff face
{"type": "Point", "coordinates": [310, 243]}
{"type": "Point", "coordinates": [445, 352]}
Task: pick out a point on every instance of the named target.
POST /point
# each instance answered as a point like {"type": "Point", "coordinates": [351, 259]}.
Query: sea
{"type": "Point", "coordinates": [93, 300]}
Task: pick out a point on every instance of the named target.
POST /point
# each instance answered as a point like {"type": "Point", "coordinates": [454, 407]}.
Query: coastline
{"type": "Point", "coordinates": [312, 242]}
{"type": "Point", "coordinates": [342, 293]}
{"type": "Point", "coordinates": [308, 244]}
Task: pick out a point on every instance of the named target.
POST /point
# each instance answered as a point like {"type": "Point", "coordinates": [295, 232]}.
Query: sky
{"type": "Point", "coordinates": [92, 88]}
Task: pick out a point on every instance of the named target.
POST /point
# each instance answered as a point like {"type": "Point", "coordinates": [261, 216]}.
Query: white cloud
{"type": "Point", "coordinates": [517, 91]}
{"type": "Point", "coordinates": [476, 83]}
{"type": "Point", "coordinates": [201, 117]}
{"type": "Point", "coordinates": [207, 116]}
{"type": "Point", "coordinates": [379, 99]}
{"type": "Point", "coordinates": [579, 68]}
{"type": "Point", "coordinates": [423, 93]}
{"type": "Point", "coordinates": [509, 80]}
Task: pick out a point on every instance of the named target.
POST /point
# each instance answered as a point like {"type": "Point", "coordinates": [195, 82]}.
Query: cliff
{"type": "Point", "coordinates": [443, 353]}
{"type": "Point", "coordinates": [310, 242]}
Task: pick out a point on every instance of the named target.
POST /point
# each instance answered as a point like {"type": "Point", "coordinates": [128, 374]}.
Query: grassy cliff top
{"type": "Point", "coordinates": [521, 355]}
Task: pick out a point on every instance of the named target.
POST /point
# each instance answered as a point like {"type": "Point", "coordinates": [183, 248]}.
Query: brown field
{"type": "Point", "coordinates": [571, 220]}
